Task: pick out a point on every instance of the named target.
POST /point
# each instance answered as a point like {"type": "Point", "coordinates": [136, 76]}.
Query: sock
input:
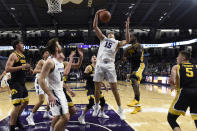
{"type": "Point", "coordinates": [137, 98]}
{"type": "Point", "coordinates": [12, 127]}
{"type": "Point", "coordinates": [83, 114]}
{"type": "Point", "coordinates": [119, 108]}
{"type": "Point", "coordinates": [102, 111]}
{"type": "Point", "coordinates": [97, 105]}
{"type": "Point", "coordinates": [31, 114]}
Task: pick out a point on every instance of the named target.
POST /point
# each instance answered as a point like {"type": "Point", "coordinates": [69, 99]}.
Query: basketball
{"type": "Point", "coordinates": [105, 16]}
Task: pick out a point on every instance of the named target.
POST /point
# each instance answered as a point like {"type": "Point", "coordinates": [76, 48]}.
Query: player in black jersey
{"type": "Point", "coordinates": [17, 66]}
{"type": "Point", "coordinates": [135, 54]}
{"type": "Point", "coordinates": [184, 78]}
{"type": "Point", "coordinates": [70, 65]}
{"type": "Point", "coordinates": [89, 73]}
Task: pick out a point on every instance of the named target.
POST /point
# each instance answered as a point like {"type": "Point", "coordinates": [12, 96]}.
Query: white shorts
{"type": "Point", "coordinates": [4, 83]}
{"type": "Point", "coordinates": [61, 107]}
{"type": "Point", "coordinates": [39, 90]}
{"type": "Point", "coordinates": [105, 70]}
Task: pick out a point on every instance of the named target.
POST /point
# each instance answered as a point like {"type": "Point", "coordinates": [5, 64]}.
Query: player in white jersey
{"type": "Point", "coordinates": [4, 80]}
{"type": "Point", "coordinates": [39, 91]}
{"type": "Point", "coordinates": [53, 70]}
{"type": "Point", "coordinates": [105, 66]}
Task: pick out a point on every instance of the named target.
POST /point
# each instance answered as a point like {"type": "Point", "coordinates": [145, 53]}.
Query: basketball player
{"type": "Point", "coordinates": [17, 66]}
{"type": "Point", "coordinates": [184, 78]}
{"type": "Point", "coordinates": [70, 65]}
{"type": "Point", "coordinates": [53, 71]}
{"type": "Point", "coordinates": [89, 73]}
{"type": "Point", "coordinates": [105, 66]}
{"type": "Point", "coordinates": [136, 55]}
{"type": "Point", "coordinates": [5, 77]}
{"type": "Point", "coordinates": [39, 91]}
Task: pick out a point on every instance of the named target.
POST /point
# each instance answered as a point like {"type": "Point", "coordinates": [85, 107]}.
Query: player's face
{"type": "Point", "coordinates": [46, 55]}
{"type": "Point", "coordinates": [93, 59]}
{"type": "Point", "coordinates": [62, 57]}
{"type": "Point", "coordinates": [111, 35]}
{"type": "Point", "coordinates": [20, 46]}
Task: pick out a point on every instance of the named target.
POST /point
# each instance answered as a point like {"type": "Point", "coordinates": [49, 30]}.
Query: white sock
{"type": "Point", "coordinates": [83, 114]}
{"type": "Point", "coordinates": [97, 105]}
{"type": "Point", "coordinates": [119, 108]}
{"type": "Point", "coordinates": [31, 114]}
{"type": "Point", "coordinates": [102, 111]}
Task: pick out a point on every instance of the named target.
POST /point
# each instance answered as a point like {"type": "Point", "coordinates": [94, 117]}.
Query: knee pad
{"type": "Point", "coordinates": [102, 101]}
{"type": "Point", "coordinates": [172, 120]}
{"type": "Point", "coordinates": [91, 103]}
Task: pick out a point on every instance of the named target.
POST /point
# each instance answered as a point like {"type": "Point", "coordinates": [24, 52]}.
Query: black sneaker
{"type": "Point", "coordinates": [12, 128]}
{"type": "Point", "coordinates": [19, 124]}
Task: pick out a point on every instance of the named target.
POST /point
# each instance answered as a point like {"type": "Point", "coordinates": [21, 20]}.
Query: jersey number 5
{"type": "Point", "coordinates": [189, 72]}
{"type": "Point", "coordinates": [108, 44]}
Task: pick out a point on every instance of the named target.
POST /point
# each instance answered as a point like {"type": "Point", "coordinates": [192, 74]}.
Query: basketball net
{"type": "Point", "coordinates": [54, 6]}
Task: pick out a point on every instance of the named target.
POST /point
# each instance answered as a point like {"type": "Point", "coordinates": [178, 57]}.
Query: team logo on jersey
{"type": "Point", "coordinates": [72, 1]}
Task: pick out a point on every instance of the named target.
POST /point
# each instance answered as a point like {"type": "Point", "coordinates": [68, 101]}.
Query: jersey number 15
{"type": "Point", "coordinates": [108, 44]}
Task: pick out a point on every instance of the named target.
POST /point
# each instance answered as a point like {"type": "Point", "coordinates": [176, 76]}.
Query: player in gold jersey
{"type": "Point", "coordinates": [184, 78]}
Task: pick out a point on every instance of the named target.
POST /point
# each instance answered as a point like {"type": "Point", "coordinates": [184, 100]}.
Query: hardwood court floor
{"type": "Point", "coordinates": [155, 103]}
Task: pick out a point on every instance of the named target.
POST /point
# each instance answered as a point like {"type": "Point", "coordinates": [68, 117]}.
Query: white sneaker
{"type": "Point", "coordinates": [96, 111]}
{"type": "Point", "coordinates": [121, 114]}
{"type": "Point", "coordinates": [30, 121]}
{"type": "Point", "coordinates": [82, 120]}
{"type": "Point", "coordinates": [103, 115]}
{"type": "Point", "coordinates": [47, 115]}
{"type": "Point", "coordinates": [66, 130]}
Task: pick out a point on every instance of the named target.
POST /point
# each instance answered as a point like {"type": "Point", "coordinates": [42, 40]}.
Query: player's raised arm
{"type": "Point", "coordinates": [68, 65]}
{"type": "Point", "coordinates": [99, 34]}
{"type": "Point", "coordinates": [124, 42]}
{"type": "Point", "coordinates": [78, 64]}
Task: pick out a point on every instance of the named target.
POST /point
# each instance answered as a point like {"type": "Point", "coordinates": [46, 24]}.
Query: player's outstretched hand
{"type": "Point", "coordinates": [128, 22]}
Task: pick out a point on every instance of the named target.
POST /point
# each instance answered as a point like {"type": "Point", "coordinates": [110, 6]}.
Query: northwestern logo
{"type": "Point", "coordinates": [72, 1]}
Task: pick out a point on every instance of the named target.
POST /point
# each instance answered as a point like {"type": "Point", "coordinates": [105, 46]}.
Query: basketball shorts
{"type": "Point", "coordinates": [39, 90]}
{"type": "Point", "coordinates": [185, 98]}
{"type": "Point", "coordinates": [136, 72]}
{"type": "Point", "coordinates": [61, 107]}
{"type": "Point", "coordinates": [69, 100]}
{"type": "Point", "coordinates": [19, 93]}
{"type": "Point", "coordinates": [105, 70]}
{"type": "Point", "coordinates": [90, 93]}
{"type": "Point", "coordinates": [4, 83]}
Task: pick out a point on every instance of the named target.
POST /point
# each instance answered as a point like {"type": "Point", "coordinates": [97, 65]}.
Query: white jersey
{"type": "Point", "coordinates": [55, 78]}
{"type": "Point", "coordinates": [107, 50]}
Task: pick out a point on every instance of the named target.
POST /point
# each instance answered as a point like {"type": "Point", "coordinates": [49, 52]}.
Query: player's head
{"type": "Point", "coordinates": [93, 59]}
{"type": "Point", "coordinates": [133, 39]}
{"type": "Point", "coordinates": [45, 54]}
{"type": "Point", "coordinates": [18, 45]}
{"type": "Point", "coordinates": [183, 56]}
{"type": "Point", "coordinates": [110, 34]}
{"type": "Point", "coordinates": [54, 47]}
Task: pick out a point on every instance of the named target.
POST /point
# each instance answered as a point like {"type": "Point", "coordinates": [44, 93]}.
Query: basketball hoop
{"type": "Point", "coordinates": [54, 6]}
